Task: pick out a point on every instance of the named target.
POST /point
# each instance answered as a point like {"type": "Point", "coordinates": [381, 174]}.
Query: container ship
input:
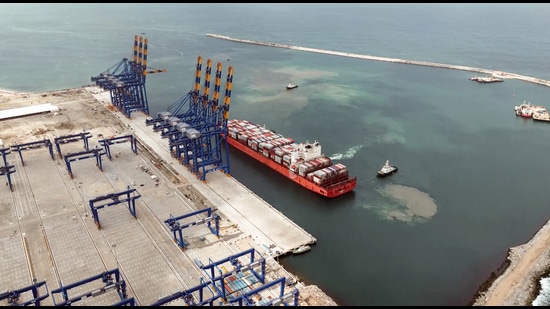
{"type": "Point", "coordinates": [302, 163]}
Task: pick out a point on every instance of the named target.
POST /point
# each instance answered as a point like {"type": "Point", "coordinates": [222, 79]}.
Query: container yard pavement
{"type": "Point", "coordinates": [48, 233]}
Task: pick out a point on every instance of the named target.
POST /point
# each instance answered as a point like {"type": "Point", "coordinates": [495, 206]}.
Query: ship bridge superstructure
{"type": "Point", "coordinates": [196, 124]}
{"type": "Point", "coordinates": [126, 80]}
{"type": "Point", "coordinates": [304, 152]}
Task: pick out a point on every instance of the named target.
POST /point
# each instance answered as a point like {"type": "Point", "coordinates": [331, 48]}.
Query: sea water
{"type": "Point", "coordinates": [473, 177]}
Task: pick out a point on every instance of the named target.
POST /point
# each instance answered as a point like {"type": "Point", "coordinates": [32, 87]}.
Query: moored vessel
{"type": "Point", "coordinates": [489, 79]}
{"type": "Point", "coordinates": [486, 79]}
{"type": "Point", "coordinates": [302, 163]}
{"type": "Point", "coordinates": [525, 110]}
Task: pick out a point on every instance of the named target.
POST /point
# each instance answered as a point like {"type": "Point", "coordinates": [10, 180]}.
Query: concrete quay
{"type": "Point", "coordinates": [495, 73]}
{"type": "Point", "coordinates": [48, 232]}
{"type": "Point", "coordinates": [275, 233]}
{"type": "Point", "coordinates": [541, 116]}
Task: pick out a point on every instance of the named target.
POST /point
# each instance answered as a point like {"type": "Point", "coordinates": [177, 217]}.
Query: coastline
{"type": "Point", "coordinates": [9, 92]}
{"type": "Point", "coordinates": [455, 141]}
{"type": "Point", "coordinates": [517, 281]}
{"type": "Point", "coordinates": [310, 295]}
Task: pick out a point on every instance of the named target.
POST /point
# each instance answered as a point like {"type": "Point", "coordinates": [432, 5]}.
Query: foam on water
{"type": "Point", "coordinates": [348, 154]}
{"type": "Point", "coordinates": [543, 299]}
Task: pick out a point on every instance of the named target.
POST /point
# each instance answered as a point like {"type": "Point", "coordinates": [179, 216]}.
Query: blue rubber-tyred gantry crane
{"type": "Point", "coordinates": [126, 80]}
{"type": "Point", "coordinates": [6, 169]}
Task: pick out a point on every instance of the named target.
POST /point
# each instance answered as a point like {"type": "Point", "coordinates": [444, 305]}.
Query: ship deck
{"type": "Point", "coordinates": [48, 233]}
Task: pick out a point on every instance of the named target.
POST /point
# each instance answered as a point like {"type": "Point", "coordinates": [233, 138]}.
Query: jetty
{"type": "Point", "coordinates": [541, 115]}
{"type": "Point", "coordinates": [494, 73]}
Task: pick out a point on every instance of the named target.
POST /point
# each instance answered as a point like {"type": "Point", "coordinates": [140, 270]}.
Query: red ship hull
{"type": "Point", "coordinates": [331, 190]}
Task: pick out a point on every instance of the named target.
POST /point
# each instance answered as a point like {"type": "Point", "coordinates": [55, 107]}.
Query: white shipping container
{"type": "Point", "coordinates": [316, 180]}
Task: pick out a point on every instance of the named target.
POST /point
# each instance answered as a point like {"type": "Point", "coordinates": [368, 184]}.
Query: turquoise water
{"type": "Point", "coordinates": [457, 143]}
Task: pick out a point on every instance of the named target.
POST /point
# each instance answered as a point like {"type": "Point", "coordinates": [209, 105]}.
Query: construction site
{"type": "Point", "coordinates": [105, 204]}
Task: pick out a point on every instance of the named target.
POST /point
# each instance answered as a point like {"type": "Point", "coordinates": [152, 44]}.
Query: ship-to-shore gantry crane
{"type": "Point", "coordinates": [195, 125]}
{"type": "Point", "coordinates": [126, 80]}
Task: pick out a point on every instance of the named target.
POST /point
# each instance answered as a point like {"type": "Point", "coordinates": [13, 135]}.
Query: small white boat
{"type": "Point", "coordinates": [301, 249]}
{"type": "Point", "coordinates": [387, 169]}
{"type": "Point", "coordinates": [291, 86]}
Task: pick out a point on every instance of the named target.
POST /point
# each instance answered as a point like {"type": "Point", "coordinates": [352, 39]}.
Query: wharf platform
{"type": "Point", "coordinates": [48, 232]}
{"type": "Point", "coordinates": [494, 73]}
{"type": "Point", "coordinates": [541, 115]}
{"type": "Point", "coordinates": [276, 234]}
{"type": "Point", "coordinates": [544, 116]}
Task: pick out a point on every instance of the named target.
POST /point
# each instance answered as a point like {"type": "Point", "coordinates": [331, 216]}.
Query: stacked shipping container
{"type": "Point", "coordinates": [278, 148]}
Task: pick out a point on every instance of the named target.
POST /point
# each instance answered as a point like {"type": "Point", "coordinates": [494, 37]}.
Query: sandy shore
{"type": "Point", "coordinates": [518, 284]}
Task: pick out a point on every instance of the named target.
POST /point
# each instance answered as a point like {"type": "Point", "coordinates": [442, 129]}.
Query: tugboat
{"type": "Point", "coordinates": [291, 86]}
{"type": "Point", "coordinates": [387, 169]}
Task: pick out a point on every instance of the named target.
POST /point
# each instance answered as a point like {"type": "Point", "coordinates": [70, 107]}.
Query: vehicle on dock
{"type": "Point", "coordinates": [387, 169]}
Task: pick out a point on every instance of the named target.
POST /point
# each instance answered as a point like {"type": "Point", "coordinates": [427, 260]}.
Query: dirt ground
{"type": "Point", "coordinates": [79, 111]}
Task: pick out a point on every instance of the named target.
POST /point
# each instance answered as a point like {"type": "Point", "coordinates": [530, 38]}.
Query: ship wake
{"type": "Point", "coordinates": [349, 154]}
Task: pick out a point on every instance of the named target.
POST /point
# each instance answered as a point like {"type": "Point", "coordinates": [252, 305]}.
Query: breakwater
{"type": "Point", "coordinates": [495, 73]}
